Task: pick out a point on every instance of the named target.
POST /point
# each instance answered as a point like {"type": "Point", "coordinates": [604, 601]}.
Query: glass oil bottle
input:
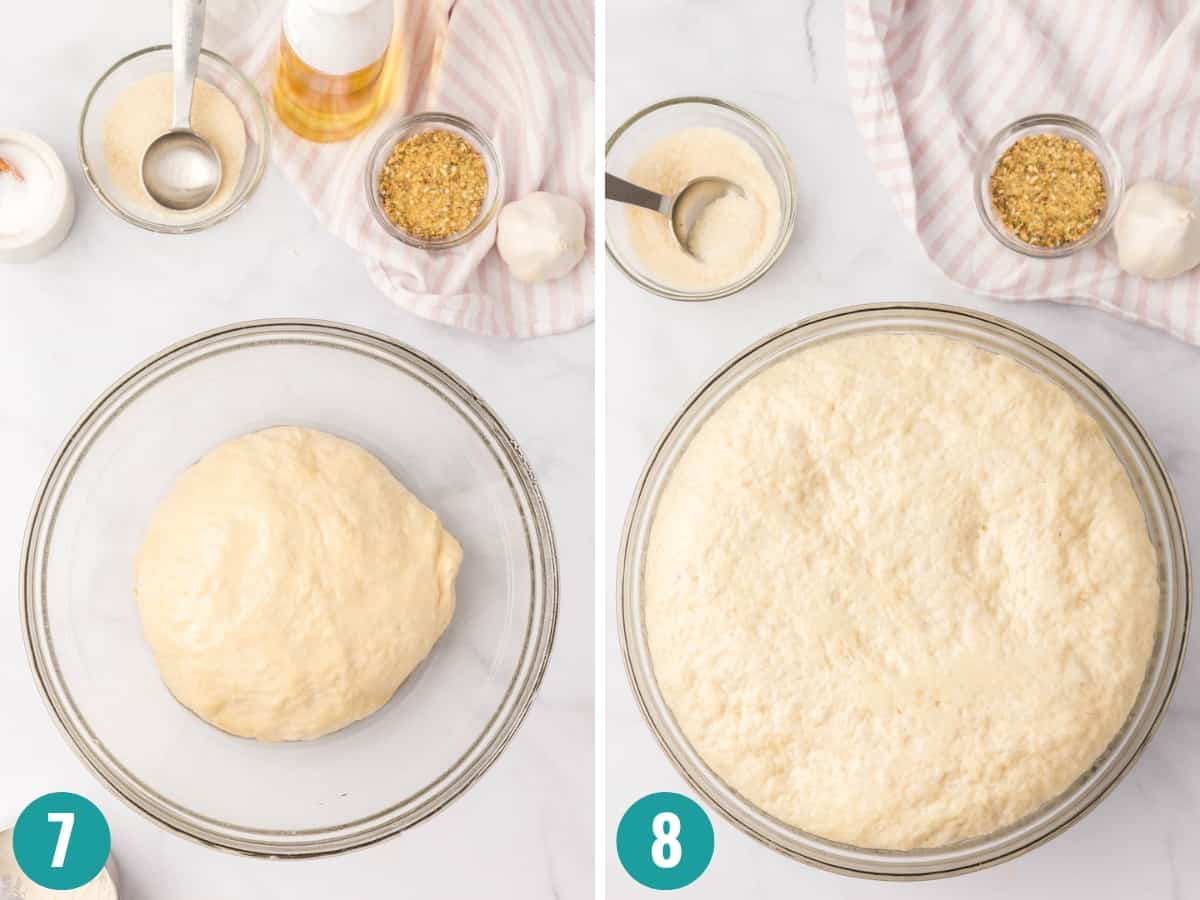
{"type": "Point", "coordinates": [336, 65]}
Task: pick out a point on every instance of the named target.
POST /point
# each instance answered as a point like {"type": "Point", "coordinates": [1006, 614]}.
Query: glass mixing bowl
{"type": "Point", "coordinates": [447, 723]}
{"type": "Point", "coordinates": [1163, 520]}
{"type": "Point", "coordinates": [663, 119]}
{"type": "Point", "coordinates": [218, 72]}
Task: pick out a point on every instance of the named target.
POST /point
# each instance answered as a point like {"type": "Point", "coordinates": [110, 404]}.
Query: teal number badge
{"type": "Point", "coordinates": [665, 841]}
{"type": "Point", "coordinates": [61, 841]}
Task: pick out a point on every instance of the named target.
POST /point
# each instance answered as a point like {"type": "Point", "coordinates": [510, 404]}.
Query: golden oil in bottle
{"type": "Point", "coordinates": [335, 66]}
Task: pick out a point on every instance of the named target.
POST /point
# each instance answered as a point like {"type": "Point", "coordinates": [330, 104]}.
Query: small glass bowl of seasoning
{"type": "Point", "coordinates": [1048, 186]}
{"type": "Point", "coordinates": [650, 126]}
{"type": "Point", "coordinates": [131, 104]}
{"type": "Point", "coordinates": [434, 181]}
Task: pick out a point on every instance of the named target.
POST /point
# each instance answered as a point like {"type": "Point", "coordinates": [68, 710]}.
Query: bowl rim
{"type": "Point", "coordinates": [462, 772]}
{"type": "Point", "coordinates": [235, 204]}
{"type": "Point", "coordinates": [720, 796]}
{"type": "Point", "coordinates": [1092, 139]}
{"type": "Point", "coordinates": [787, 226]}
{"type": "Point", "coordinates": [388, 139]}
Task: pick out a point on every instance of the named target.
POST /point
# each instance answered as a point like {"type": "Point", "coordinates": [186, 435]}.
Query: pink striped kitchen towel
{"type": "Point", "coordinates": [523, 72]}
{"type": "Point", "coordinates": [931, 82]}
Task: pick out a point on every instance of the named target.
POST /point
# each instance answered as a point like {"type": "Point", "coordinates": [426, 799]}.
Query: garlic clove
{"type": "Point", "coordinates": [1157, 230]}
{"type": "Point", "coordinates": [541, 237]}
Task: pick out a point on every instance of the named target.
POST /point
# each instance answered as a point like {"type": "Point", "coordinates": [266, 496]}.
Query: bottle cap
{"type": "Point", "coordinates": [341, 7]}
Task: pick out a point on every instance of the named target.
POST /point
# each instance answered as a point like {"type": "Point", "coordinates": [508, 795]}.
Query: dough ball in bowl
{"type": "Point", "coordinates": [288, 584]}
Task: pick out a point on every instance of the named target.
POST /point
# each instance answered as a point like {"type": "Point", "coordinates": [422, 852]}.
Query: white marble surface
{"type": "Point", "coordinates": [785, 61]}
{"type": "Point", "coordinates": [113, 295]}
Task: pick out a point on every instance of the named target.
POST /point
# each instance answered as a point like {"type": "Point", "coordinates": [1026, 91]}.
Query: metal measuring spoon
{"type": "Point", "coordinates": [683, 209]}
{"type": "Point", "coordinates": [180, 169]}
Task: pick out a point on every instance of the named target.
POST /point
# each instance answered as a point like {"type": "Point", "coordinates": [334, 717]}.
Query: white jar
{"type": "Point", "coordinates": [38, 209]}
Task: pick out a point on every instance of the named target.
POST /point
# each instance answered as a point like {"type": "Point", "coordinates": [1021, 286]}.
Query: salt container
{"type": "Point", "coordinates": [37, 202]}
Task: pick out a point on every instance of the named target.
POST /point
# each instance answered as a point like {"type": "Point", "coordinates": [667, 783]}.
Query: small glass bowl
{"type": "Point", "coordinates": [450, 719]}
{"type": "Point", "coordinates": [218, 72]}
{"type": "Point", "coordinates": [413, 125]}
{"type": "Point", "coordinates": [106, 878]}
{"type": "Point", "coordinates": [1065, 126]}
{"type": "Point", "coordinates": [663, 119]}
{"type": "Point", "coordinates": [1164, 523]}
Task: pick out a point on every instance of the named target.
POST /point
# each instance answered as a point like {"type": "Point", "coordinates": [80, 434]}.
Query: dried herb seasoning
{"type": "Point", "coordinates": [1048, 190]}
{"type": "Point", "coordinates": [433, 185]}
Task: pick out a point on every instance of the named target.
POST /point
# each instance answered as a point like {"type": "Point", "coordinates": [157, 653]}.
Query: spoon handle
{"type": "Point", "coordinates": [624, 192]}
{"type": "Point", "coordinates": [187, 32]}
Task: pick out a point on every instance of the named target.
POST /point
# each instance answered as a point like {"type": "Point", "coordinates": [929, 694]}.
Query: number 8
{"type": "Point", "coordinates": [665, 851]}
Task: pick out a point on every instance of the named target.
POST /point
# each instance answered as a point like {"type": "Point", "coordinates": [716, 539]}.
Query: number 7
{"type": "Point", "coordinates": [67, 821]}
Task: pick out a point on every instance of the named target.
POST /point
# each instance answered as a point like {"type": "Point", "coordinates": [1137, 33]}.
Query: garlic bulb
{"type": "Point", "coordinates": [540, 237]}
{"type": "Point", "coordinates": [1158, 230]}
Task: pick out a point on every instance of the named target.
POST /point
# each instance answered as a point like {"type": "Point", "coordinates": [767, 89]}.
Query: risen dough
{"type": "Point", "coordinates": [288, 584]}
{"type": "Point", "coordinates": [899, 591]}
